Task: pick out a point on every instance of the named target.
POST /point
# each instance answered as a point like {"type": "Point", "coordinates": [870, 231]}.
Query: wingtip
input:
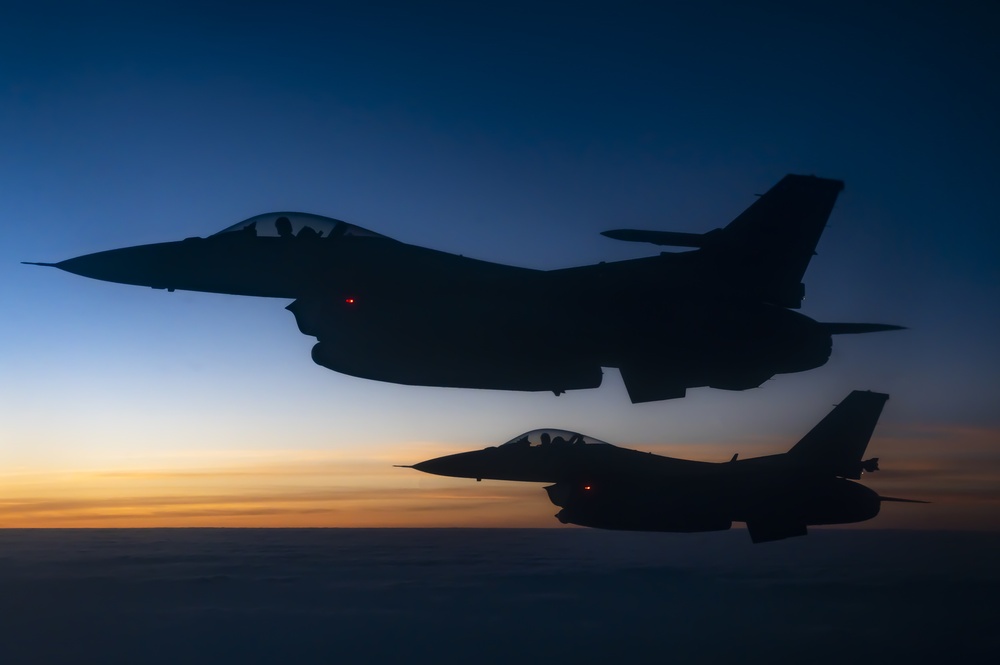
{"type": "Point", "coordinates": [40, 263]}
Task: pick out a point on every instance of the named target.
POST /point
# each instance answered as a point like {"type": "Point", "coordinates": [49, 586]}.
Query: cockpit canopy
{"type": "Point", "coordinates": [551, 438]}
{"type": "Point", "coordinates": [298, 225]}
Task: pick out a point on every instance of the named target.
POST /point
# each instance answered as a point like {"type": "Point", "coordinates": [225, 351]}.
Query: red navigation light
{"type": "Point", "coordinates": [586, 487]}
{"type": "Point", "coordinates": [349, 301]}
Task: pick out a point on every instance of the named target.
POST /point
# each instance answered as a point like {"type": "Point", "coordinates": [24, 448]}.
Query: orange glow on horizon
{"type": "Point", "coordinates": [957, 469]}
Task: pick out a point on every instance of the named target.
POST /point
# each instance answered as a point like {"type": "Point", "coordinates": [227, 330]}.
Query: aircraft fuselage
{"type": "Point", "coordinates": [778, 496]}
{"type": "Point", "coordinates": [720, 315]}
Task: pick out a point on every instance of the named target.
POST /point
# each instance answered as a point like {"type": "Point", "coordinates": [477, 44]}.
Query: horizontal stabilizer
{"type": "Point", "coordinates": [858, 328]}
{"type": "Point", "coordinates": [671, 238]}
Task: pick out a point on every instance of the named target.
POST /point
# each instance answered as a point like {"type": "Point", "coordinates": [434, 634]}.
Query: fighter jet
{"type": "Point", "coordinates": [778, 496]}
{"type": "Point", "coordinates": [718, 315]}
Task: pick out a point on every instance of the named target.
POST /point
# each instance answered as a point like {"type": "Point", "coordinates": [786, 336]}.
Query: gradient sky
{"type": "Point", "coordinates": [516, 133]}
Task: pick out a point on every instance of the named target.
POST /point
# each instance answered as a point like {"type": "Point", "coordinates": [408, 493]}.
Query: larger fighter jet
{"type": "Point", "coordinates": [719, 315]}
{"type": "Point", "coordinates": [778, 496]}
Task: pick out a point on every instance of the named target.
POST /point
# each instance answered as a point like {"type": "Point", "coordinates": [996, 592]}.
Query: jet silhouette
{"type": "Point", "coordinates": [719, 316]}
{"type": "Point", "coordinates": [778, 496]}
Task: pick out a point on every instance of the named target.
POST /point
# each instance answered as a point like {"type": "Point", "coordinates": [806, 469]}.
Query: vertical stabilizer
{"type": "Point", "coordinates": [837, 443]}
{"type": "Point", "coordinates": [765, 251]}
{"type": "Point", "coordinates": [769, 246]}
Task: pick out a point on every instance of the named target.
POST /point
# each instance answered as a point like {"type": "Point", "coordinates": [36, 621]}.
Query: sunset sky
{"type": "Point", "coordinates": [513, 133]}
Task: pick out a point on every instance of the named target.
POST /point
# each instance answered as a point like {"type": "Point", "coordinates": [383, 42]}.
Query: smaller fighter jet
{"type": "Point", "coordinates": [778, 496]}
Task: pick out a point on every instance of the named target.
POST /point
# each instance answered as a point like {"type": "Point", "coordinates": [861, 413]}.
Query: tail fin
{"type": "Point", "coordinates": [771, 243]}
{"type": "Point", "coordinates": [837, 443]}
{"type": "Point", "coordinates": [766, 250]}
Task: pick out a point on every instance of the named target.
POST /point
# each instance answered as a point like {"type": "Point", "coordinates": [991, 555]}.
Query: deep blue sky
{"type": "Point", "coordinates": [514, 133]}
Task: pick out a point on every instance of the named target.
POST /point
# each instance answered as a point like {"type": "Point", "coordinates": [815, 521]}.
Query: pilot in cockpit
{"type": "Point", "coordinates": [284, 227]}
{"type": "Point", "coordinates": [338, 230]}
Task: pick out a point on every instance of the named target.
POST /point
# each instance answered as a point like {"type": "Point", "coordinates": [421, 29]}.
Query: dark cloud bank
{"type": "Point", "coordinates": [494, 596]}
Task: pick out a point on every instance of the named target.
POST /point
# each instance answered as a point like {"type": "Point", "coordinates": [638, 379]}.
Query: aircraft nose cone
{"type": "Point", "coordinates": [129, 266]}
{"type": "Point", "coordinates": [462, 465]}
{"type": "Point", "coordinates": [430, 466]}
{"type": "Point", "coordinates": [441, 466]}
{"type": "Point", "coordinates": [95, 266]}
